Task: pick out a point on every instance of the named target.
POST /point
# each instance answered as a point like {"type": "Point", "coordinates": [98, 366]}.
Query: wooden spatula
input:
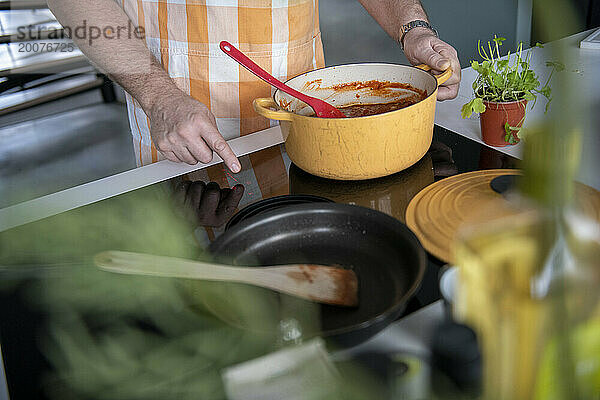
{"type": "Point", "coordinates": [319, 283]}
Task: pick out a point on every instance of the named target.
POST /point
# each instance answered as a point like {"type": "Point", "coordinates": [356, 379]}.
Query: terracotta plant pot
{"type": "Point", "coordinates": [495, 117]}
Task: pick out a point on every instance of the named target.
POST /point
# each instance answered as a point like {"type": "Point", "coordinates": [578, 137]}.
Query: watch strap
{"type": "Point", "coordinates": [404, 29]}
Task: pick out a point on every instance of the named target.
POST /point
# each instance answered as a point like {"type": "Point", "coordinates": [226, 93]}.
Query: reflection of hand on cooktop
{"type": "Point", "coordinates": [443, 163]}
{"type": "Point", "coordinates": [210, 205]}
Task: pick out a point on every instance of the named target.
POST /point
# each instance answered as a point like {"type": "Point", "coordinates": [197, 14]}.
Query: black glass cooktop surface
{"type": "Point", "coordinates": [207, 200]}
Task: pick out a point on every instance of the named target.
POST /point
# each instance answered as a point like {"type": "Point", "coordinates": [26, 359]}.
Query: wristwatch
{"type": "Point", "coordinates": [415, 24]}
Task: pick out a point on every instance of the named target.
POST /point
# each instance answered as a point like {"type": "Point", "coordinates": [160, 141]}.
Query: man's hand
{"type": "Point", "coordinates": [421, 46]}
{"type": "Point", "coordinates": [184, 130]}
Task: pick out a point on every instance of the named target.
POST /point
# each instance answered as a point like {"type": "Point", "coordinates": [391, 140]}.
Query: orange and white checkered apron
{"type": "Point", "coordinates": [282, 36]}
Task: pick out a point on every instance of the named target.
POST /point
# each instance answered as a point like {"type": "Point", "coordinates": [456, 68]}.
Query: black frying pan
{"type": "Point", "coordinates": [386, 256]}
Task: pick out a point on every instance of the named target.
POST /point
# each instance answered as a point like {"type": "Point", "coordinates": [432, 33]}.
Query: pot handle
{"type": "Point", "coordinates": [263, 107]}
{"type": "Point", "coordinates": [442, 78]}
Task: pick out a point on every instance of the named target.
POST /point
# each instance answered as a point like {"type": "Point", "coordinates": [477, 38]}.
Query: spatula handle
{"type": "Point", "coordinates": [317, 283]}
{"type": "Point", "coordinates": [251, 66]}
{"type": "Point", "coordinates": [151, 265]}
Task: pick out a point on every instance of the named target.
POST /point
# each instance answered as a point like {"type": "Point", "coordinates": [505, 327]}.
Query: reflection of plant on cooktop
{"type": "Point", "coordinates": [106, 336]}
{"type": "Point", "coordinates": [505, 80]}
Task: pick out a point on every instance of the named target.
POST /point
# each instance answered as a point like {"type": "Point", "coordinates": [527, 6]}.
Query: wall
{"type": "Point", "coordinates": [351, 35]}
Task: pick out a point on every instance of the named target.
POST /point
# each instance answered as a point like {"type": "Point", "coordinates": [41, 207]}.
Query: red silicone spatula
{"type": "Point", "coordinates": [322, 109]}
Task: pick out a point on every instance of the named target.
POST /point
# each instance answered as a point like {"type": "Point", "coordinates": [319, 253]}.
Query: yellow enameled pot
{"type": "Point", "coordinates": [363, 147]}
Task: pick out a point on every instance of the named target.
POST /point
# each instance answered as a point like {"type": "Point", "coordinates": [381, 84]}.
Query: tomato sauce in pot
{"type": "Point", "coordinates": [365, 110]}
{"type": "Point", "coordinates": [380, 89]}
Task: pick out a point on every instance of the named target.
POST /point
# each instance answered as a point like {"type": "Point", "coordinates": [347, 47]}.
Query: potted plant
{"type": "Point", "coordinates": [502, 90]}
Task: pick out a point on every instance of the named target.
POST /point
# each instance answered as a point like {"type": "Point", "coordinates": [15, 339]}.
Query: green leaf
{"type": "Point", "coordinates": [474, 106]}
{"type": "Point", "coordinates": [538, 44]}
{"type": "Point", "coordinates": [511, 129]}
{"type": "Point", "coordinates": [478, 105]}
{"type": "Point", "coordinates": [499, 40]}
{"type": "Point", "coordinates": [511, 132]}
{"type": "Point", "coordinates": [497, 79]}
{"type": "Point", "coordinates": [466, 111]}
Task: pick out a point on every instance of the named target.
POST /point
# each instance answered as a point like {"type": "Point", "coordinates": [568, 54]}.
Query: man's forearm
{"type": "Point", "coordinates": [123, 57]}
{"type": "Point", "coordinates": [392, 14]}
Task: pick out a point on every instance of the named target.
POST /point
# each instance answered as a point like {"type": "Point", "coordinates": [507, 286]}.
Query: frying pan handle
{"type": "Point", "coordinates": [263, 107]}
{"type": "Point", "coordinates": [442, 78]}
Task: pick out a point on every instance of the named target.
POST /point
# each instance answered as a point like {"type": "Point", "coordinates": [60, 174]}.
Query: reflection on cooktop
{"type": "Point", "coordinates": [207, 204]}
{"type": "Point", "coordinates": [212, 204]}
{"type": "Point", "coordinates": [390, 194]}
